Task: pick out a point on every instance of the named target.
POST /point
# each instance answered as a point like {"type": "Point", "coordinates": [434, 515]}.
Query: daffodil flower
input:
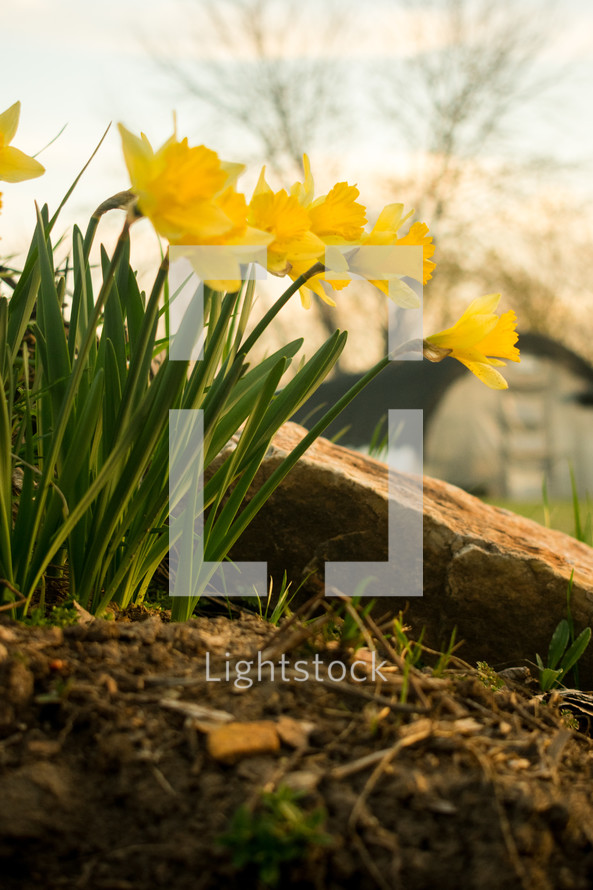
{"type": "Point", "coordinates": [385, 268]}
{"type": "Point", "coordinates": [187, 192]}
{"type": "Point", "coordinates": [15, 165]}
{"type": "Point", "coordinates": [337, 219]}
{"type": "Point", "coordinates": [189, 195]}
{"type": "Point", "coordinates": [479, 340]}
{"type": "Point", "coordinates": [304, 226]}
{"type": "Point", "coordinates": [282, 215]}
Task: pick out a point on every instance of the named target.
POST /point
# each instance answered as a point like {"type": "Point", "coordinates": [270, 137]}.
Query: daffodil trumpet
{"type": "Point", "coordinates": [480, 339]}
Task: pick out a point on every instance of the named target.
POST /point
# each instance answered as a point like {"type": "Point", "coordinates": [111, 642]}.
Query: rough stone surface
{"type": "Point", "coordinates": [499, 578]}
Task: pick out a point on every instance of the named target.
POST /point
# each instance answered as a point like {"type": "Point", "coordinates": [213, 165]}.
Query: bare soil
{"type": "Point", "coordinates": [108, 782]}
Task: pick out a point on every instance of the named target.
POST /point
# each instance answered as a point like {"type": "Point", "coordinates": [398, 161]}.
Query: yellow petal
{"type": "Point", "coordinates": [304, 191]}
{"type": "Point", "coordinates": [262, 187]}
{"type": "Point", "coordinates": [305, 295]}
{"type": "Point", "coordinates": [466, 332]}
{"type": "Point", "coordinates": [483, 305]}
{"type": "Point", "coordinates": [9, 122]}
{"type": "Point", "coordinates": [475, 324]}
{"type": "Point", "coordinates": [233, 171]}
{"type": "Point", "coordinates": [486, 374]}
{"type": "Point", "coordinates": [16, 166]}
{"type": "Point", "coordinates": [281, 214]}
{"type": "Point", "coordinates": [391, 219]}
{"type": "Point", "coordinates": [138, 154]}
{"type": "Point", "coordinates": [198, 223]}
{"type": "Point", "coordinates": [403, 295]}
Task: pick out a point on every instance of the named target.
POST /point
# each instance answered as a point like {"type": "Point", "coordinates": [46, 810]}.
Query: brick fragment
{"type": "Point", "coordinates": [236, 740]}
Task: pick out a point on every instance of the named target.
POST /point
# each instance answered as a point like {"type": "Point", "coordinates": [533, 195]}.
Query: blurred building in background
{"type": "Point", "coordinates": [491, 443]}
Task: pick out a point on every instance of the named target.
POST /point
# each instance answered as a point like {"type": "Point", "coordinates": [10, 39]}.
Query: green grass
{"type": "Point", "coordinates": [278, 832]}
{"type": "Point", "coordinates": [561, 513]}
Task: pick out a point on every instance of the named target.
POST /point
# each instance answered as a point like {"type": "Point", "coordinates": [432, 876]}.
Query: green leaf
{"type": "Point", "coordinates": [5, 363]}
{"type": "Point", "coordinates": [134, 308]}
{"type": "Point", "coordinates": [113, 324]}
{"type": "Point", "coordinates": [304, 383]}
{"type": "Point", "coordinates": [24, 297]}
{"type": "Point", "coordinates": [136, 380]}
{"type": "Point", "coordinates": [548, 679]}
{"type": "Point", "coordinates": [578, 529]}
{"type": "Point", "coordinates": [239, 456]}
{"type": "Point", "coordinates": [112, 399]}
{"type": "Point", "coordinates": [36, 566]}
{"type": "Point", "coordinates": [558, 643]}
{"type": "Point", "coordinates": [51, 324]}
{"type": "Point", "coordinates": [86, 429]}
{"type": "Point", "coordinates": [576, 650]}
{"type": "Point", "coordinates": [280, 473]}
{"type": "Point", "coordinates": [242, 400]}
{"type": "Point", "coordinates": [82, 301]}
{"type": "Point", "coordinates": [5, 481]}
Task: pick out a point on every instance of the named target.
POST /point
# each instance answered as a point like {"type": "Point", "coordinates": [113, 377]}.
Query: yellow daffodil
{"type": "Point", "coordinates": [479, 339]}
{"type": "Point", "coordinates": [337, 219]}
{"type": "Point", "coordinates": [15, 166]}
{"type": "Point", "coordinates": [187, 192]}
{"type": "Point", "coordinates": [189, 195]}
{"type": "Point", "coordinates": [303, 227]}
{"type": "Point", "coordinates": [282, 215]}
{"type": "Point", "coordinates": [385, 269]}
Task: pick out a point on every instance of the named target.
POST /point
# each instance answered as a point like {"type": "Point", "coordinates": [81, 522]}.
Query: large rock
{"type": "Point", "coordinates": [499, 578]}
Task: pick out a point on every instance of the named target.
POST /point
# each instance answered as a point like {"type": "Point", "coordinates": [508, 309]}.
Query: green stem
{"type": "Point", "coordinates": [282, 471]}
{"type": "Point", "coordinates": [275, 309]}
{"type": "Point", "coordinates": [227, 380]}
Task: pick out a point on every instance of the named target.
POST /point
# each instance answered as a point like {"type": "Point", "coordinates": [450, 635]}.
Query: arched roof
{"type": "Point", "coordinates": [415, 384]}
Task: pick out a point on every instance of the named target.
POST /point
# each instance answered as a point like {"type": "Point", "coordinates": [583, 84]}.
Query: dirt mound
{"type": "Point", "coordinates": [110, 778]}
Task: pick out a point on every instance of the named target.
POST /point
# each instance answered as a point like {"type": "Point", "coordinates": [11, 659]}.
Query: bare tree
{"type": "Point", "coordinates": [546, 275]}
{"type": "Point", "coordinates": [277, 79]}
{"type": "Point", "coordinates": [465, 83]}
{"type": "Point", "coordinates": [469, 95]}
{"type": "Point", "coordinates": [462, 85]}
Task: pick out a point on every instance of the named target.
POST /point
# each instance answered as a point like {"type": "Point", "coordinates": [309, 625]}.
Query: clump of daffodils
{"type": "Point", "coordinates": [190, 196]}
{"type": "Point", "coordinates": [96, 484]}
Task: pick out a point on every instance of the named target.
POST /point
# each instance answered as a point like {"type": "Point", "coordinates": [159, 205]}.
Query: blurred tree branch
{"type": "Point", "coordinates": [461, 83]}
{"type": "Point", "coordinates": [276, 77]}
{"type": "Point", "coordinates": [468, 70]}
